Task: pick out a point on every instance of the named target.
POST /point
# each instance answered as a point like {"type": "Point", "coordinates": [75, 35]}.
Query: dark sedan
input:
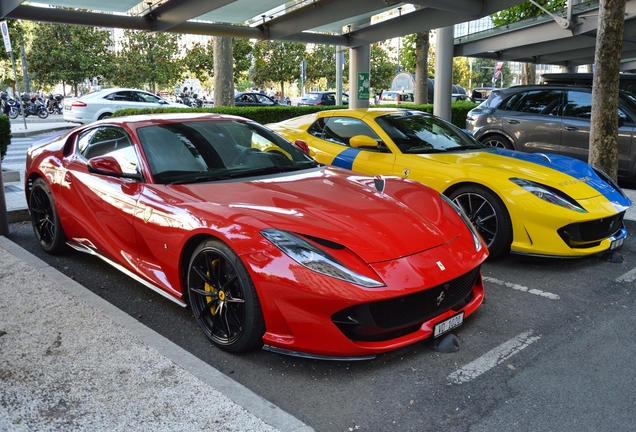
{"type": "Point", "coordinates": [253, 99]}
{"type": "Point", "coordinates": [322, 98]}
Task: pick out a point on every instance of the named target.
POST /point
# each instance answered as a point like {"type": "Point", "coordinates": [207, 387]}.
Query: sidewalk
{"type": "Point", "coordinates": [69, 360]}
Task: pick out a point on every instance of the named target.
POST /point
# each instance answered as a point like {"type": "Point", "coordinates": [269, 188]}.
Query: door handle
{"type": "Point", "coordinates": [68, 178]}
{"type": "Point", "coordinates": [571, 128]}
{"type": "Point", "coordinates": [513, 121]}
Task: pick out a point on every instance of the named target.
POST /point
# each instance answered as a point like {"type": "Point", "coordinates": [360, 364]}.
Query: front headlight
{"type": "Point", "coordinates": [315, 259]}
{"type": "Point", "coordinates": [548, 194]}
{"type": "Point", "coordinates": [476, 237]}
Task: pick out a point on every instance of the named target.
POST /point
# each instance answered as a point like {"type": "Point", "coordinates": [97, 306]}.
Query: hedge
{"type": "Point", "coordinates": [264, 115]}
{"type": "Point", "coordinates": [5, 135]}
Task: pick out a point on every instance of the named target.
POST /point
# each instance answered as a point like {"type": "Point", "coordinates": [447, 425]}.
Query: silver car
{"type": "Point", "coordinates": [102, 104]}
{"type": "Point", "coordinates": [551, 118]}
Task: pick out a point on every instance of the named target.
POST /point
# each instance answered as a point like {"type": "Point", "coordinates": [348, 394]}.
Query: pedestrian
{"type": "Point", "coordinates": [376, 98]}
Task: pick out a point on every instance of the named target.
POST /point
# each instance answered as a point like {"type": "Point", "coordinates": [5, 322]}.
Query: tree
{"type": "Point", "coordinates": [607, 56]}
{"type": "Point", "coordinates": [148, 59]}
{"type": "Point", "coordinates": [277, 62]}
{"type": "Point", "coordinates": [69, 53]}
{"type": "Point", "coordinates": [484, 71]}
{"type": "Point", "coordinates": [199, 60]}
{"type": "Point", "coordinates": [382, 68]}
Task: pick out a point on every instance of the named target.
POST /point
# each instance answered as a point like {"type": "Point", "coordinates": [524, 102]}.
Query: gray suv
{"type": "Point", "coordinates": [551, 118]}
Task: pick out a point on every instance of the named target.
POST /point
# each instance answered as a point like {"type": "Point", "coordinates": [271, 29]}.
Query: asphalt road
{"type": "Point", "coordinates": [552, 349]}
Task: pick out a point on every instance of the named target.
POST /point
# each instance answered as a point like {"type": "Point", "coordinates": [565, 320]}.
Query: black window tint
{"type": "Point", "coordinates": [126, 96]}
{"type": "Point", "coordinates": [579, 105]}
{"type": "Point", "coordinates": [339, 130]}
{"type": "Point", "coordinates": [509, 103]}
{"type": "Point", "coordinates": [147, 97]}
{"type": "Point", "coordinates": [317, 127]}
{"type": "Point", "coordinates": [539, 102]}
{"type": "Point", "coordinates": [109, 141]}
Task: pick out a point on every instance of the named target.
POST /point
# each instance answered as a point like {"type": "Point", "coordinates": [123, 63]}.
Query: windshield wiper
{"type": "Point", "coordinates": [468, 147]}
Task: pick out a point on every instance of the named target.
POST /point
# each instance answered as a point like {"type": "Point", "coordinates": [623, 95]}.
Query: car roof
{"type": "Point", "coordinates": [143, 120]}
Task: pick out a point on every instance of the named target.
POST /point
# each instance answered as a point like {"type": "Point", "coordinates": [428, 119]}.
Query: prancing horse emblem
{"type": "Point", "coordinates": [440, 298]}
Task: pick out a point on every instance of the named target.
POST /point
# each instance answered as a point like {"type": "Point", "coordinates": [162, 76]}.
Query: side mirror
{"type": "Point", "coordinates": [621, 121]}
{"type": "Point", "coordinates": [108, 166]}
{"type": "Point", "coordinates": [359, 141]}
{"type": "Point", "coordinates": [302, 146]}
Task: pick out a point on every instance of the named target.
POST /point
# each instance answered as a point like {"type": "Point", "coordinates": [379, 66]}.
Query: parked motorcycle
{"type": "Point", "coordinates": [54, 103]}
{"type": "Point", "coordinates": [10, 106]}
{"type": "Point", "coordinates": [34, 105]}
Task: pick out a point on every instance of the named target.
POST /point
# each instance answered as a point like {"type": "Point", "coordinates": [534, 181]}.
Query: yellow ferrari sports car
{"type": "Point", "coordinates": [533, 204]}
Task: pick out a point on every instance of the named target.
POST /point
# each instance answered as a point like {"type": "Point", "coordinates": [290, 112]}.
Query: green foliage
{"type": "Point", "coordinates": [69, 53]}
{"type": "Point", "coordinates": [5, 134]}
{"type": "Point", "coordinates": [199, 60]}
{"type": "Point", "coordinates": [484, 75]}
{"type": "Point", "coordinates": [148, 60]}
{"type": "Point", "coordinates": [277, 62]}
{"type": "Point", "coordinates": [526, 10]}
{"type": "Point", "coordinates": [383, 68]}
{"type": "Point", "coordinates": [408, 58]}
{"type": "Point", "coordinates": [264, 115]}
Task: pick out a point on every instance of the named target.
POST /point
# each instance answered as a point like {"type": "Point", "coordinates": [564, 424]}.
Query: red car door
{"type": "Point", "coordinates": [98, 209]}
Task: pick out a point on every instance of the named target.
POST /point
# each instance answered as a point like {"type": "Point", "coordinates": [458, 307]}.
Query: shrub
{"type": "Point", "coordinates": [264, 115]}
{"type": "Point", "coordinates": [5, 135]}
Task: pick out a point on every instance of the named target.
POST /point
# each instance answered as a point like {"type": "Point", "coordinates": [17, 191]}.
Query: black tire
{"type": "Point", "coordinates": [104, 116]}
{"type": "Point", "coordinates": [497, 140]}
{"type": "Point", "coordinates": [43, 113]}
{"type": "Point", "coordinates": [13, 113]}
{"type": "Point", "coordinates": [488, 214]}
{"type": "Point", "coordinates": [46, 223]}
{"type": "Point", "coordinates": [223, 298]}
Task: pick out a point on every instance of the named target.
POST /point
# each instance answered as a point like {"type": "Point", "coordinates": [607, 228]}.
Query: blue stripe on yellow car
{"type": "Point", "coordinates": [345, 158]}
{"type": "Point", "coordinates": [572, 167]}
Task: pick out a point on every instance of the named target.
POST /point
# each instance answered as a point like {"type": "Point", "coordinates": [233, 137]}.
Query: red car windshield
{"type": "Point", "coordinates": [217, 150]}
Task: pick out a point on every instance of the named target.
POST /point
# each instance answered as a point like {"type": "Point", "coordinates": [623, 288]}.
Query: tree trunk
{"type": "Point", "coordinates": [529, 73]}
{"type": "Point", "coordinates": [604, 122]}
{"type": "Point", "coordinates": [223, 72]}
{"type": "Point", "coordinates": [421, 68]}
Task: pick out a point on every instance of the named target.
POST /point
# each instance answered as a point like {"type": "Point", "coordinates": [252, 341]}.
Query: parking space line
{"type": "Point", "coordinates": [522, 288]}
{"type": "Point", "coordinates": [492, 358]}
{"type": "Point", "coordinates": [630, 276]}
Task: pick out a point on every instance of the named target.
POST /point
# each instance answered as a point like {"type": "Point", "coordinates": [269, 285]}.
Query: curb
{"type": "Point", "coordinates": [28, 133]}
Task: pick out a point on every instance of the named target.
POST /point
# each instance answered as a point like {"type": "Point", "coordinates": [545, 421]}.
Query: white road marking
{"type": "Point", "coordinates": [630, 276]}
{"type": "Point", "coordinates": [492, 358]}
{"type": "Point", "coordinates": [522, 288]}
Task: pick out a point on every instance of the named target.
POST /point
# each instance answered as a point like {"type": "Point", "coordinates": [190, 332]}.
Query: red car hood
{"type": "Point", "coordinates": [338, 206]}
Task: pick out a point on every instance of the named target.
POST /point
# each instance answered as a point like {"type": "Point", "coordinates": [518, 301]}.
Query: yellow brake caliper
{"type": "Point", "coordinates": [210, 288]}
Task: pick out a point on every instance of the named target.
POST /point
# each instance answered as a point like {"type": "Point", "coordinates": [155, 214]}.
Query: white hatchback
{"type": "Point", "coordinates": [103, 103]}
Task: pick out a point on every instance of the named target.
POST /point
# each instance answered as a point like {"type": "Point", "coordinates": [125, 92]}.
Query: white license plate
{"type": "Point", "coordinates": [448, 325]}
{"type": "Point", "coordinates": [617, 243]}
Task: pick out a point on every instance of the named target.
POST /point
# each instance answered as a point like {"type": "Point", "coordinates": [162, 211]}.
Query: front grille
{"type": "Point", "coordinates": [589, 234]}
{"type": "Point", "coordinates": [402, 315]}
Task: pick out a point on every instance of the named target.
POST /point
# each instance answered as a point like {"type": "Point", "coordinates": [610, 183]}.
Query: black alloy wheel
{"type": "Point", "coordinates": [488, 215]}
{"type": "Point", "coordinates": [498, 141]}
{"type": "Point", "coordinates": [46, 223]}
{"type": "Point", "coordinates": [223, 298]}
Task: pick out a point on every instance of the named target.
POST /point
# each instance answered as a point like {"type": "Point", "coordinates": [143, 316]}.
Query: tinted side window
{"type": "Point", "coordinates": [147, 97]}
{"type": "Point", "coordinates": [579, 105]}
{"type": "Point", "coordinates": [126, 96]}
{"type": "Point", "coordinates": [539, 102]}
{"type": "Point", "coordinates": [317, 127]}
{"type": "Point", "coordinates": [339, 130]}
{"type": "Point", "coordinates": [109, 141]}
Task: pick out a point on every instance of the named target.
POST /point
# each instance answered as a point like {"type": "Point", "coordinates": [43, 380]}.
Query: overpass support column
{"type": "Point", "coordinates": [443, 73]}
{"type": "Point", "coordinates": [359, 60]}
